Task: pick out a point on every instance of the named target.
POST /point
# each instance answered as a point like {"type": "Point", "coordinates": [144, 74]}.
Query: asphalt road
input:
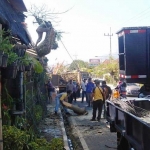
{"type": "Point", "coordinates": [93, 135]}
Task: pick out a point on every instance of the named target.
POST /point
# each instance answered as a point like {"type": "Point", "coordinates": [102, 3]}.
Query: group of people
{"type": "Point", "coordinates": [74, 87]}
{"type": "Point", "coordinates": [94, 93]}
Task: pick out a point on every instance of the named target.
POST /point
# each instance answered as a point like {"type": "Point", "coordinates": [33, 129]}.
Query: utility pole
{"type": "Point", "coordinates": [110, 35]}
{"type": "Point", "coordinates": [75, 56]}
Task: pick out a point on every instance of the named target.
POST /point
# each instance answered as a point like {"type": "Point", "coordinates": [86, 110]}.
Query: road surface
{"type": "Point", "coordinates": [93, 135]}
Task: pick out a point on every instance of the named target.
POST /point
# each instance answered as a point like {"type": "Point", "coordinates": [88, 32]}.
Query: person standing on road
{"type": "Point", "coordinates": [59, 99]}
{"type": "Point", "coordinates": [107, 90]}
{"type": "Point", "coordinates": [75, 91]}
{"type": "Point", "coordinates": [107, 93]}
{"type": "Point", "coordinates": [78, 90]}
{"type": "Point", "coordinates": [70, 86]}
{"type": "Point", "coordinates": [122, 89]}
{"type": "Point", "coordinates": [83, 86]}
{"type": "Point", "coordinates": [89, 90]}
{"type": "Point", "coordinates": [98, 98]}
{"type": "Point", "coordinates": [51, 90]}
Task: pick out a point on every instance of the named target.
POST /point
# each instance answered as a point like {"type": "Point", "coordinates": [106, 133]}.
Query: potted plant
{"type": "Point", "coordinates": [21, 66]}
{"type": "Point", "coordinates": [27, 62]}
{"type": "Point", "coordinates": [19, 51]}
{"type": "Point", "coordinates": [5, 46]}
{"type": "Point", "coordinates": [4, 60]}
{"type": "Point", "coordinates": [11, 70]}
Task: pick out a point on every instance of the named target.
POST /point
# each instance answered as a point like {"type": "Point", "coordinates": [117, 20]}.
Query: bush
{"type": "Point", "coordinates": [38, 113]}
{"type": "Point", "coordinates": [16, 139]}
{"type": "Point", "coordinates": [56, 144]}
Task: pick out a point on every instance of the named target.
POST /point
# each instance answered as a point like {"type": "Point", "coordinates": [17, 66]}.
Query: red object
{"type": "Point", "coordinates": [5, 107]}
{"type": "Point", "coordinates": [120, 82]}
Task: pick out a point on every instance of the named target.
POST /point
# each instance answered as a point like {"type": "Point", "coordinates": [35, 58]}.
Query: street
{"type": "Point", "coordinates": [93, 135]}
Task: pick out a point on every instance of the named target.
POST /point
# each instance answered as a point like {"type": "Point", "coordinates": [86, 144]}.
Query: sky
{"type": "Point", "coordinates": [85, 24]}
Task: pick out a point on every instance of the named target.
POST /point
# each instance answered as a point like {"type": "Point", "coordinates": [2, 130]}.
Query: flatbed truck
{"type": "Point", "coordinates": [133, 132]}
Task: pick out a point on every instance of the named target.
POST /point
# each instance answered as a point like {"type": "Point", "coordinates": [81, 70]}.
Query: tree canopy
{"type": "Point", "coordinates": [78, 64]}
{"type": "Point", "coordinates": [109, 69]}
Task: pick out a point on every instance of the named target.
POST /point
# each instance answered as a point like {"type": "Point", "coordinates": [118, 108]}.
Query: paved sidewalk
{"type": "Point", "coordinates": [93, 135]}
{"type": "Point", "coordinates": [53, 126]}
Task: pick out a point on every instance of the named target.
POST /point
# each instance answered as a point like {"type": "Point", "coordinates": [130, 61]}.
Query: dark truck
{"type": "Point", "coordinates": [61, 80]}
{"type": "Point", "coordinates": [133, 132]}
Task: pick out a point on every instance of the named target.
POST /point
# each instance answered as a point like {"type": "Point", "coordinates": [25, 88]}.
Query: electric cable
{"type": "Point", "coordinates": [137, 16]}
{"type": "Point", "coordinates": [69, 54]}
{"type": "Point", "coordinates": [66, 50]}
{"type": "Point", "coordinates": [140, 19]}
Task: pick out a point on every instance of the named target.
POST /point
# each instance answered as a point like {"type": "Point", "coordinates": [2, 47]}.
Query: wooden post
{"type": "Point", "coordinates": [1, 135]}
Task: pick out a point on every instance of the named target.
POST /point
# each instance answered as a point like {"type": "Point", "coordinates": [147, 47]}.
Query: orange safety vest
{"type": "Point", "coordinates": [116, 94]}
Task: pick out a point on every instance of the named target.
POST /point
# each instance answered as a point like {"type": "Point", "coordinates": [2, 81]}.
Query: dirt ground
{"type": "Point", "coordinates": [50, 127]}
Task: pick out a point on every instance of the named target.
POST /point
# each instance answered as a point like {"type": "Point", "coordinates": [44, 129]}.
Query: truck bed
{"type": "Point", "coordinates": [135, 129]}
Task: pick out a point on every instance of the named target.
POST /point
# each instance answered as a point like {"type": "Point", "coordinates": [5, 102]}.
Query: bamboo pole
{"type": "Point", "coordinates": [1, 135]}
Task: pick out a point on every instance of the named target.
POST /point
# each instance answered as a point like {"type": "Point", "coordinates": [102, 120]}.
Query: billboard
{"type": "Point", "coordinates": [94, 62]}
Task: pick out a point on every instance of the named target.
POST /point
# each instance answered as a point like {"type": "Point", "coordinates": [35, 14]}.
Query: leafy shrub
{"type": "Point", "coordinates": [16, 139]}
{"type": "Point", "coordinates": [56, 144]}
{"type": "Point", "coordinates": [38, 112]}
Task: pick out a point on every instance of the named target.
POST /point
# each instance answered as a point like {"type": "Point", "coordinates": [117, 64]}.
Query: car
{"type": "Point", "coordinates": [98, 79]}
{"type": "Point", "coordinates": [132, 89]}
{"type": "Point", "coordinates": [111, 86]}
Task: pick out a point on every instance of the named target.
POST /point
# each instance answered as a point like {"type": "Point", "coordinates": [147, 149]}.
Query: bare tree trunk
{"type": "Point", "coordinates": [76, 109]}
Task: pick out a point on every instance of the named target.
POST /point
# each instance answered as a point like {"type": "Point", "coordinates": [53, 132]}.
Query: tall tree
{"type": "Point", "coordinates": [109, 68]}
{"type": "Point", "coordinates": [78, 64]}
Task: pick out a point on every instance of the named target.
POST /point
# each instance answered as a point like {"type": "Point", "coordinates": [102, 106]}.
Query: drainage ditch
{"type": "Point", "coordinates": [73, 139]}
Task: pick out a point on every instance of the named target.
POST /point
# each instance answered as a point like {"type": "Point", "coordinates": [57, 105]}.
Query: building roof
{"type": "Point", "coordinates": [11, 17]}
{"type": "Point", "coordinates": [18, 5]}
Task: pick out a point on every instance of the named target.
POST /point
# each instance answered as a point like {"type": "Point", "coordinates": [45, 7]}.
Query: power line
{"type": "Point", "coordinates": [70, 55]}
{"type": "Point", "coordinates": [137, 16]}
{"type": "Point", "coordinates": [140, 19]}
{"type": "Point", "coordinates": [66, 50]}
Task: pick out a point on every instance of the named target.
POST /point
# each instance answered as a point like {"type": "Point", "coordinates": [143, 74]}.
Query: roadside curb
{"type": "Point", "coordinates": [65, 139]}
{"type": "Point", "coordinates": [83, 143]}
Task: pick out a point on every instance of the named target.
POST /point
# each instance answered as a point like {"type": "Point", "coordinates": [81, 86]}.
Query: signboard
{"type": "Point", "coordinates": [94, 62]}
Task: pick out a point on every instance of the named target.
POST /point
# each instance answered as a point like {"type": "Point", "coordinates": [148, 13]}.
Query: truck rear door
{"type": "Point", "coordinates": [134, 53]}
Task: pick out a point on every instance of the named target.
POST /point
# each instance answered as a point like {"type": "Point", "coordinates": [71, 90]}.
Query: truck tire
{"type": "Point", "coordinates": [112, 127]}
{"type": "Point", "coordinates": [123, 143]}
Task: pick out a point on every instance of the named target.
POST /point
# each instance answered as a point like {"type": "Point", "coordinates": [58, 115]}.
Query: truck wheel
{"type": "Point", "coordinates": [123, 144]}
{"type": "Point", "coordinates": [112, 127]}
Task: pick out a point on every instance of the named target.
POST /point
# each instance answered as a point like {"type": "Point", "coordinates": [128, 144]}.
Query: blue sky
{"type": "Point", "coordinates": [85, 24]}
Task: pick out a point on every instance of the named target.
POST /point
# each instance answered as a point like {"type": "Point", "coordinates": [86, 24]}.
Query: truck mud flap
{"type": "Point", "coordinates": [112, 127]}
